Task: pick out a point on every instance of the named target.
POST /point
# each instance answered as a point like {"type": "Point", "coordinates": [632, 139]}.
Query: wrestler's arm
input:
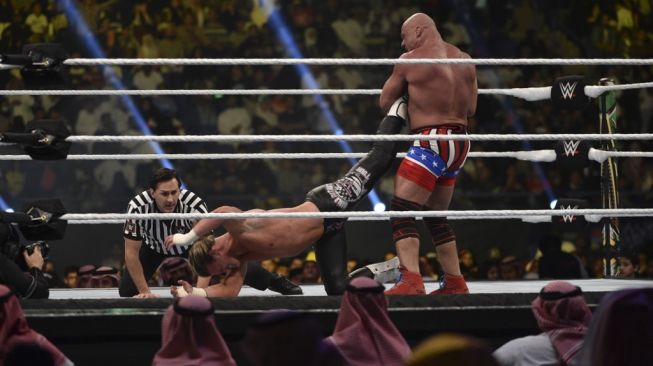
{"type": "Point", "coordinates": [203, 282]}
{"type": "Point", "coordinates": [203, 227]}
{"type": "Point", "coordinates": [230, 285]}
{"type": "Point", "coordinates": [471, 69]}
{"type": "Point", "coordinates": [395, 87]}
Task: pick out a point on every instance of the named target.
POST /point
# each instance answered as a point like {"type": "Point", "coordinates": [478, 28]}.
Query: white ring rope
{"type": "Point", "coordinates": [361, 137]}
{"type": "Point", "coordinates": [354, 61]}
{"type": "Point", "coordinates": [484, 214]}
{"type": "Point", "coordinates": [111, 92]}
{"type": "Point", "coordinates": [535, 219]}
{"type": "Point", "coordinates": [535, 155]}
{"type": "Point", "coordinates": [530, 94]}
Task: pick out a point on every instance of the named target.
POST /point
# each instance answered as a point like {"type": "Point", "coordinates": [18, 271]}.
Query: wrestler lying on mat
{"type": "Point", "coordinates": [264, 238]}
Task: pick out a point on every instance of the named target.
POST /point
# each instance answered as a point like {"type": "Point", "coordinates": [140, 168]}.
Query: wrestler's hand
{"type": "Point", "coordinates": [181, 239]}
{"type": "Point", "coordinates": [183, 290]}
{"type": "Point", "coordinates": [186, 289]}
{"type": "Point", "coordinates": [146, 295]}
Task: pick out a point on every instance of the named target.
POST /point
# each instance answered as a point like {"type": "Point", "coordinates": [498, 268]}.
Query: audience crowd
{"type": "Point", "coordinates": [617, 334]}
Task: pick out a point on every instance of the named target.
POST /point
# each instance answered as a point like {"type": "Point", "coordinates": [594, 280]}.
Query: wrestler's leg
{"type": "Point", "coordinates": [409, 196]}
{"type": "Point", "coordinates": [347, 191]}
{"type": "Point", "coordinates": [441, 233]}
{"type": "Point", "coordinates": [331, 256]}
{"type": "Point", "coordinates": [444, 239]}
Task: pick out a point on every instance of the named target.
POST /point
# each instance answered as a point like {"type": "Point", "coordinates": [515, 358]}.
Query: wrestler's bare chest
{"type": "Point", "coordinates": [280, 237]}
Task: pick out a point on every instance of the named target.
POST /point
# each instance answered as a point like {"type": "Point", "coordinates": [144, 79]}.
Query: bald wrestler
{"type": "Point", "coordinates": [440, 100]}
{"type": "Point", "coordinates": [264, 238]}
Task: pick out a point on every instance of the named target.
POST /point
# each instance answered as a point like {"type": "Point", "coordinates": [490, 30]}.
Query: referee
{"type": "Point", "coordinates": [166, 196]}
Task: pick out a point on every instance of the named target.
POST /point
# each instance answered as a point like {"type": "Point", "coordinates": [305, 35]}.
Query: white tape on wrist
{"type": "Point", "coordinates": [197, 291]}
{"type": "Point", "coordinates": [184, 239]}
{"type": "Point", "coordinates": [181, 292]}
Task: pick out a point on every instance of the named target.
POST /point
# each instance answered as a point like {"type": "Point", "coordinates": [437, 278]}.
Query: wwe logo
{"type": "Point", "coordinates": [569, 218]}
{"type": "Point", "coordinates": [567, 90]}
{"type": "Point", "coordinates": [571, 147]}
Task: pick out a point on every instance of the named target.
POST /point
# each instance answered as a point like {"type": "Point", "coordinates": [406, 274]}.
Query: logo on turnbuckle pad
{"type": "Point", "coordinates": [349, 188]}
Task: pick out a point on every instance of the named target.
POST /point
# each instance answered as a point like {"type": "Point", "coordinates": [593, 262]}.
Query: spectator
{"type": "Point", "coordinates": [147, 78]}
{"type": "Point", "coordinates": [468, 264]}
{"type": "Point", "coordinates": [105, 277]}
{"type": "Point", "coordinates": [85, 276]}
{"type": "Point", "coordinates": [489, 270]}
{"type": "Point", "coordinates": [510, 268]}
{"type": "Point", "coordinates": [283, 338]}
{"type": "Point", "coordinates": [620, 333]}
{"type": "Point", "coordinates": [174, 269]}
{"type": "Point", "coordinates": [310, 271]}
{"type": "Point", "coordinates": [364, 333]}
{"type": "Point", "coordinates": [556, 264]}
{"type": "Point", "coordinates": [148, 47]}
{"type": "Point", "coordinates": [451, 350]}
{"type": "Point", "coordinates": [189, 335]}
{"type": "Point", "coordinates": [38, 23]}
{"type": "Point", "coordinates": [15, 330]}
{"type": "Point", "coordinates": [628, 265]}
{"type": "Point", "coordinates": [70, 276]}
{"type": "Point", "coordinates": [563, 316]}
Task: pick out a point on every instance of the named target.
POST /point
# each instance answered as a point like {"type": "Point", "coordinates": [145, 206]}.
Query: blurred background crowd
{"type": "Point", "coordinates": [330, 29]}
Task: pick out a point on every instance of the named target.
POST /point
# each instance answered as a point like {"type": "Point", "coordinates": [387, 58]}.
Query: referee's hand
{"type": "Point", "coordinates": [169, 241]}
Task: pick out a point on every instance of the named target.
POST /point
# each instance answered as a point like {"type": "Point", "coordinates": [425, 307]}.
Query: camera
{"type": "Point", "coordinates": [18, 250]}
{"type": "Point", "coordinates": [45, 248]}
{"type": "Point", "coordinates": [11, 246]}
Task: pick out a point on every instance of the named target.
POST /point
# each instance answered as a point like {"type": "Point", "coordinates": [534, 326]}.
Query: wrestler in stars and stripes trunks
{"type": "Point", "coordinates": [431, 161]}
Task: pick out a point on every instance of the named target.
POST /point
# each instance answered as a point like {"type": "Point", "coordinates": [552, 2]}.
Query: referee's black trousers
{"type": "Point", "coordinates": [256, 276]}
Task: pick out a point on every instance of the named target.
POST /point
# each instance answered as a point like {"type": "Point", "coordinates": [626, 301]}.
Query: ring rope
{"type": "Point", "coordinates": [538, 155]}
{"type": "Point", "coordinates": [353, 61]}
{"type": "Point", "coordinates": [485, 214]}
{"type": "Point", "coordinates": [535, 219]}
{"type": "Point", "coordinates": [530, 94]}
{"type": "Point", "coordinates": [535, 155]}
{"type": "Point", "coordinates": [361, 137]}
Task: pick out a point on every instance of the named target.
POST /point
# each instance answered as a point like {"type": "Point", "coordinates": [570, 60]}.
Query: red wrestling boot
{"type": "Point", "coordinates": [410, 283]}
{"type": "Point", "coordinates": [452, 285]}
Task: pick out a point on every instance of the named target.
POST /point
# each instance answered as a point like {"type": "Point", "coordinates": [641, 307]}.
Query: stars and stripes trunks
{"type": "Point", "coordinates": [431, 162]}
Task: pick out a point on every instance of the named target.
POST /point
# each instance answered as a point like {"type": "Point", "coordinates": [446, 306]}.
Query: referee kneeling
{"type": "Point", "coordinates": [166, 196]}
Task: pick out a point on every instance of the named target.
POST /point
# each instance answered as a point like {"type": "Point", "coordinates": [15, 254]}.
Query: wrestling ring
{"type": "Point", "coordinates": [88, 322]}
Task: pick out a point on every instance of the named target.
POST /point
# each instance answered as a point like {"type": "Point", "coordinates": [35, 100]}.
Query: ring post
{"type": "Point", "coordinates": [609, 190]}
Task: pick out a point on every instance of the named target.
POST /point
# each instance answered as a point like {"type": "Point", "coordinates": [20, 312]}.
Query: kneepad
{"type": "Point", "coordinates": [403, 227]}
{"type": "Point", "coordinates": [441, 232]}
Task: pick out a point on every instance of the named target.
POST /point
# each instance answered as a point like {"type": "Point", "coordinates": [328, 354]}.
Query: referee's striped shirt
{"type": "Point", "coordinates": [154, 232]}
